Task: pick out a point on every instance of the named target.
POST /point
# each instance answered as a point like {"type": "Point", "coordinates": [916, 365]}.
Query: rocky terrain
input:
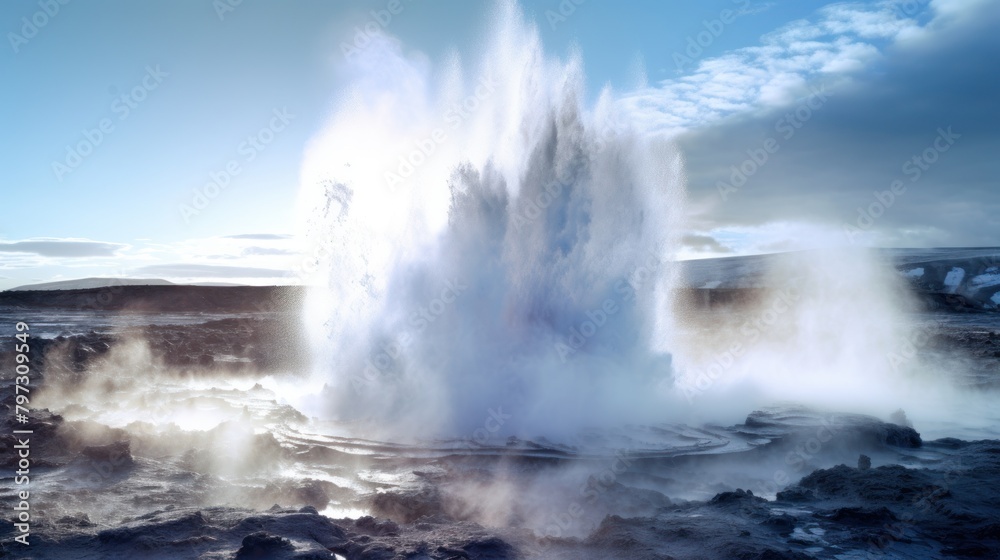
{"type": "Point", "coordinates": [157, 433]}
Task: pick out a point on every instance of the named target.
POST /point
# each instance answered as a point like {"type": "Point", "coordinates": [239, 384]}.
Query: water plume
{"type": "Point", "coordinates": [494, 257]}
{"type": "Point", "coordinates": [493, 253]}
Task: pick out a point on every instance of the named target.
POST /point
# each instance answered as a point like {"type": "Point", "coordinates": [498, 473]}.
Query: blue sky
{"type": "Point", "coordinates": [179, 87]}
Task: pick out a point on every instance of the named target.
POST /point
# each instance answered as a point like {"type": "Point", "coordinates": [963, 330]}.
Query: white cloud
{"type": "Point", "coordinates": [66, 248]}
{"type": "Point", "coordinates": [841, 39]}
{"type": "Point", "coordinates": [246, 259]}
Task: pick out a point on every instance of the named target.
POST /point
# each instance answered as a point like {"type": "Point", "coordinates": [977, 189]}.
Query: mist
{"type": "Point", "coordinates": [521, 263]}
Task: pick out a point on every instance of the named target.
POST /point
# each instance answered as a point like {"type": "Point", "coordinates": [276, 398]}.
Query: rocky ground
{"type": "Point", "coordinates": [783, 484]}
{"type": "Point", "coordinates": [942, 504]}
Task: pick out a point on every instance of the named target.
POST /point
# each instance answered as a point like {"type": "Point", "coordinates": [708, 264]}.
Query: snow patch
{"type": "Point", "coordinates": [954, 279]}
{"type": "Point", "coordinates": [996, 298]}
{"type": "Point", "coordinates": [914, 273]}
{"type": "Point", "coordinates": [985, 280]}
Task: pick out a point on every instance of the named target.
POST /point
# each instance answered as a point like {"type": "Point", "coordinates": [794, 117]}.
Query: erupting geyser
{"type": "Point", "coordinates": [492, 251]}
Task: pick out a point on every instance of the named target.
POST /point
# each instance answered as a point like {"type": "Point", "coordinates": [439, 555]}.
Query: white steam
{"type": "Point", "coordinates": [469, 227]}
{"type": "Point", "coordinates": [494, 258]}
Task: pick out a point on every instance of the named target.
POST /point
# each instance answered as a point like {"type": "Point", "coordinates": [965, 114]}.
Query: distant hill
{"type": "Point", "coordinates": [942, 278]}
{"type": "Point", "coordinates": [964, 276]}
{"type": "Point", "coordinates": [90, 283]}
{"type": "Point", "coordinates": [163, 298]}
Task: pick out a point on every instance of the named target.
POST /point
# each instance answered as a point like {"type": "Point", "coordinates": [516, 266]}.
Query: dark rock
{"type": "Point", "coordinates": [970, 550]}
{"type": "Point", "coordinates": [864, 462]}
{"type": "Point", "coordinates": [899, 436]}
{"type": "Point", "coordinates": [863, 516]}
{"type": "Point", "coordinates": [887, 484]}
{"type": "Point", "coordinates": [488, 548]}
{"type": "Point", "coordinates": [263, 546]}
{"type": "Point", "coordinates": [796, 494]}
{"type": "Point", "coordinates": [80, 520]}
{"type": "Point", "coordinates": [117, 453]}
{"type": "Point", "coordinates": [376, 527]}
{"type": "Point", "coordinates": [783, 524]}
{"type": "Point", "coordinates": [142, 531]}
{"type": "Point", "coordinates": [738, 496]}
{"type": "Point", "coordinates": [408, 504]}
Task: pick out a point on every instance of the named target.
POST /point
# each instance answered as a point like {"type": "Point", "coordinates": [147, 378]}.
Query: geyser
{"type": "Point", "coordinates": [494, 257]}
{"type": "Point", "coordinates": [493, 253]}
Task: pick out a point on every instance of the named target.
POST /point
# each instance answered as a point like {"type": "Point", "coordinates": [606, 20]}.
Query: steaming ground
{"type": "Point", "coordinates": [173, 433]}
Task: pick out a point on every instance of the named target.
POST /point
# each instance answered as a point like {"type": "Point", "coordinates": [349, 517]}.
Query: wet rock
{"type": "Point", "coordinates": [306, 492]}
{"type": "Point", "coordinates": [898, 436]}
{"type": "Point", "coordinates": [262, 546]}
{"type": "Point", "coordinates": [864, 462]}
{"type": "Point", "coordinates": [863, 516]}
{"type": "Point", "coordinates": [782, 524]}
{"type": "Point", "coordinates": [376, 527]}
{"type": "Point", "coordinates": [489, 547]}
{"type": "Point", "coordinates": [739, 496]}
{"type": "Point", "coordinates": [886, 484]}
{"type": "Point", "coordinates": [80, 520]}
{"type": "Point", "coordinates": [153, 527]}
{"type": "Point", "coordinates": [796, 494]}
{"type": "Point", "coordinates": [115, 454]}
{"type": "Point", "coordinates": [408, 504]}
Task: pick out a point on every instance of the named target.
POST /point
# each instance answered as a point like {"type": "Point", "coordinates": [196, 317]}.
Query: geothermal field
{"type": "Point", "coordinates": [181, 422]}
{"type": "Point", "coordinates": [510, 314]}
